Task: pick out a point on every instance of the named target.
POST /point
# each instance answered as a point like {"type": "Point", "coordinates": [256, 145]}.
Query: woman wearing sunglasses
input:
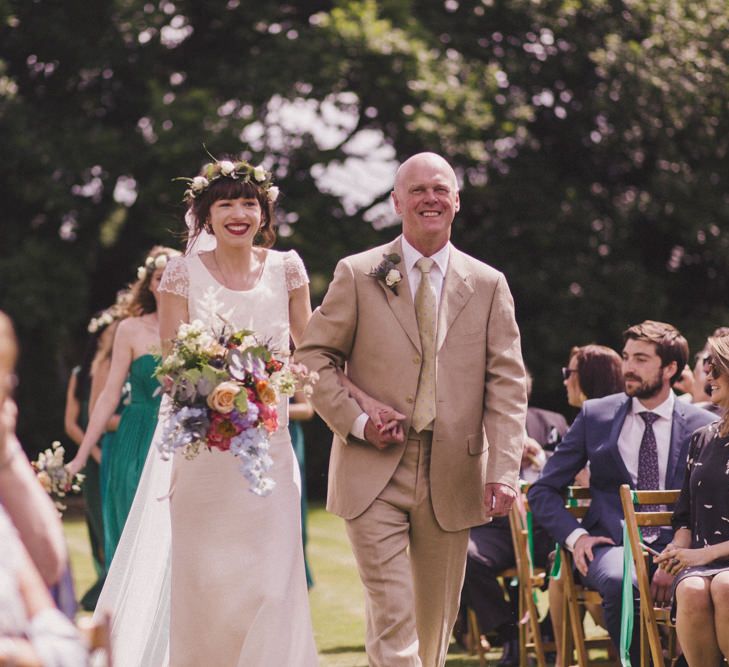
{"type": "Point", "coordinates": [699, 552]}
{"type": "Point", "coordinates": [593, 371]}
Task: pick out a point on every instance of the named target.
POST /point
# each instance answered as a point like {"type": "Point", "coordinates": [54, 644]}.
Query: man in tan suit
{"type": "Point", "coordinates": [429, 332]}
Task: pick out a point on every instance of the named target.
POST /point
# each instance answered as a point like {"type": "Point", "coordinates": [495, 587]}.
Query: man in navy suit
{"type": "Point", "coordinates": [622, 446]}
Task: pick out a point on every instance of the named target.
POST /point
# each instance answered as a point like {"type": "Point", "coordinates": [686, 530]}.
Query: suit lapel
{"type": "Point", "coordinates": [401, 304]}
{"type": "Point", "coordinates": [457, 291]}
{"type": "Point", "coordinates": [617, 425]}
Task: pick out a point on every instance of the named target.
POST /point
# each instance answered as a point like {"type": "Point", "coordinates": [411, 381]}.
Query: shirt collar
{"type": "Point", "coordinates": [664, 410]}
{"type": "Point", "coordinates": [411, 255]}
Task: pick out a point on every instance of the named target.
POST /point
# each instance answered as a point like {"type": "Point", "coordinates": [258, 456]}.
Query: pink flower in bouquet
{"type": "Point", "coordinates": [269, 417]}
{"type": "Point", "coordinates": [222, 429]}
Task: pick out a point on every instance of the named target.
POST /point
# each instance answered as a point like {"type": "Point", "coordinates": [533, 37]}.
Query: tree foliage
{"type": "Point", "coordinates": [590, 136]}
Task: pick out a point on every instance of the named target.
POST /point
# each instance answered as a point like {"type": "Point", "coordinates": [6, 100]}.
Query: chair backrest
{"type": "Point", "coordinates": [634, 520]}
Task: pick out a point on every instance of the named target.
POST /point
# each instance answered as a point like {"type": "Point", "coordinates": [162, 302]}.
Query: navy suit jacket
{"type": "Point", "coordinates": [593, 437]}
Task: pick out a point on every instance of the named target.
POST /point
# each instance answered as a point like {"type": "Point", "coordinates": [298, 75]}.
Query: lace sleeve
{"type": "Point", "coordinates": [295, 270]}
{"type": "Point", "coordinates": [175, 278]}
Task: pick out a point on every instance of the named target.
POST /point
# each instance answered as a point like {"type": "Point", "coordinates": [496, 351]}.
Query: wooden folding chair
{"type": "Point", "coordinates": [97, 635]}
{"type": "Point", "coordinates": [530, 578]}
{"type": "Point", "coordinates": [475, 644]}
{"type": "Point", "coordinates": [651, 616]}
{"type": "Point", "coordinates": [576, 599]}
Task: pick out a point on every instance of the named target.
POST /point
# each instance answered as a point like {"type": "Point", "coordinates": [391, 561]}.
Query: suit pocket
{"type": "Point", "coordinates": [477, 443]}
{"type": "Point", "coordinates": [472, 338]}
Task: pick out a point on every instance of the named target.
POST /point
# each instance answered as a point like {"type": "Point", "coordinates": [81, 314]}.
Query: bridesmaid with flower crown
{"type": "Point", "coordinates": [136, 343]}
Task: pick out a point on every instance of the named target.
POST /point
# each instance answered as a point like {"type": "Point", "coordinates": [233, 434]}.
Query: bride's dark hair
{"type": "Point", "coordinates": [233, 188]}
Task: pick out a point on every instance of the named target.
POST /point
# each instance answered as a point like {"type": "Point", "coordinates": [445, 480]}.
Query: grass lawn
{"type": "Point", "coordinates": [337, 602]}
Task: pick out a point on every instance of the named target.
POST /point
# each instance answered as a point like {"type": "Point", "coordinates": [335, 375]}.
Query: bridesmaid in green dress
{"type": "Point", "coordinates": [133, 355]}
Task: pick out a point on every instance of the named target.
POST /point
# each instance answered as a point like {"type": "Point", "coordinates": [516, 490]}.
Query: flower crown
{"type": "Point", "coordinates": [241, 170]}
{"type": "Point", "coordinates": [151, 264]}
{"type": "Point", "coordinates": [96, 324]}
{"type": "Point", "coordinates": [107, 316]}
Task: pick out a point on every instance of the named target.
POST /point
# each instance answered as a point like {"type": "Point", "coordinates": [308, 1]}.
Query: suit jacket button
{"type": "Point", "coordinates": [409, 399]}
{"type": "Point", "coordinates": [416, 360]}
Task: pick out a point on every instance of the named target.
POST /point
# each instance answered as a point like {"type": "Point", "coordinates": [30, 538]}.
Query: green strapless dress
{"type": "Point", "coordinates": [131, 444]}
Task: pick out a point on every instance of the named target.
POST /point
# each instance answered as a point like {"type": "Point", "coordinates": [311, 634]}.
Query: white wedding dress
{"type": "Point", "coordinates": [208, 573]}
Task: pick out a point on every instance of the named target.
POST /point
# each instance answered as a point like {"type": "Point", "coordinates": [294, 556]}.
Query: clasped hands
{"type": "Point", "coordinates": [673, 558]}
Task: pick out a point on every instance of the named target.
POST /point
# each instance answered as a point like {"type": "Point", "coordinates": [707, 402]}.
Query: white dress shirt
{"type": "Point", "coordinates": [631, 435]}
{"type": "Point", "coordinates": [437, 275]}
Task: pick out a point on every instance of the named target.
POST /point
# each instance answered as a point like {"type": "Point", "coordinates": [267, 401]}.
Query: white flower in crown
{"type": "Point", "coordinates": [227, 168]}
{"type": "Point", "coordinates": [273, 192]}
{"type": "Point", "coordinates": [160, 261]}
{"type": "Point", "coordinates": [141, 272]}
{"type": "Point", "coordinates": [199, 183]}
{"type": "Point", "coordinates": [259, 173]}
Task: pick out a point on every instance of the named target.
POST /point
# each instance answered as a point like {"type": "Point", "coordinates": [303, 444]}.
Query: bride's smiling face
{"type": "Point", "coordinates": [235, 220]}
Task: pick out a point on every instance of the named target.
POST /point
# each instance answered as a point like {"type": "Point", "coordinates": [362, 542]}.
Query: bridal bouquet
{"type": "Point", "coordinates": [53, 476]}
{"type": "Point", "coordinates": [225, 387]}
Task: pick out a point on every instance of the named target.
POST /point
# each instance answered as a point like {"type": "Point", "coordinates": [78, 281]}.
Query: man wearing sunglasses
{"type": "Point", "coordinates": [639, 437]}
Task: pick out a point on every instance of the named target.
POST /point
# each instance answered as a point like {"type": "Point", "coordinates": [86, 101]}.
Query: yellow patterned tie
{"type": "Point", "coordinates": [425, 311]}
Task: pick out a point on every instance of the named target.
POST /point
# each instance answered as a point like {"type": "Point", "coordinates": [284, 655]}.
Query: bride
{"type": "Point", "coordinates": [234, 592]}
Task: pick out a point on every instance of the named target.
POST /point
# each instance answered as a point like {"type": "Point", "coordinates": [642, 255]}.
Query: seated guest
{"type": "Point", "coordinates": [699, 551]}
{"type": "Point", "coordinates": [32, 631]}
{"type": "Point", "coordinates": [26, 503]}
{"type": "Point", "coordinates": [593, 371]}
{"type": "Point", "coordinates": [490, 546]}
{"type": "Point", "coordinates": [696, 383]}
{"type": "Point", "coordinates": [639, 438]}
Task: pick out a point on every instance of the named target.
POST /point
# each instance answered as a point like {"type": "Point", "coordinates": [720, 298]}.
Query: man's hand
{"type": "Point", "coordinates": [533, 454]}
{"type": "Point", "coordinates": [383, 438]}
{"type": "Point", "coordinates": [498, 499]}
{"type": "Point", "coordinates": [661, 587]}
{"type": "Point", "coordinates": [582, 552]}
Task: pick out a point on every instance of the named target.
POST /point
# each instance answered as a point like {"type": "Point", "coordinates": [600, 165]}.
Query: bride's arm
{"type": "Point", "coordinates": [383, 416]}
{"type": "Point", "coordinates": [172, 312]}
{"type": "Point", "coordinates": [299, 311]}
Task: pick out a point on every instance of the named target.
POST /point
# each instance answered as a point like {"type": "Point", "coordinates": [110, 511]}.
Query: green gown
{"type": "Point", "coordinates": [131, 444]}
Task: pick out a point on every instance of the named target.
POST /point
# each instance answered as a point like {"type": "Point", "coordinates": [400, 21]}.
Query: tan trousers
{"type": "Point", "coordinates": [412, 570]}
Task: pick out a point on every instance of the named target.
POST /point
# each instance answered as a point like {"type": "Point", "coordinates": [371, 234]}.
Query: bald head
{"type": "Point", "coordinates": [425, 159]}
{"type": "Point", "coordinates": [426, 198]}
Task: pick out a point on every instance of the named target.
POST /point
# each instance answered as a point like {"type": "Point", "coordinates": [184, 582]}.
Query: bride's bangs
{"type": "Point", "coordinates": [233, 188]}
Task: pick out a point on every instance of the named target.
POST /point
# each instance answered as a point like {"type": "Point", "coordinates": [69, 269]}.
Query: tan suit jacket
{"type": "Point", "coordinates": [480, 382]}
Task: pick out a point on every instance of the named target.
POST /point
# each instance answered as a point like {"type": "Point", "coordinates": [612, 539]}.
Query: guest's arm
{"type": "Point", "coordinates": [98, 380]}
{"type": "Point", "coordinates": [50, 638]}
{"type": "Point", "coordinates": [546, 494]}
{"type": "Point", "coordinates": [29, 507]}
{"type": "Point", "coordinates": [72, 411]}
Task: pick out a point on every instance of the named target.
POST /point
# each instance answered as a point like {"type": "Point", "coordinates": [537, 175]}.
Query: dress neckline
{"type": "Point", "coordinates": [250, 289]}
{"type": "Point", "coordinates": [142, 356]}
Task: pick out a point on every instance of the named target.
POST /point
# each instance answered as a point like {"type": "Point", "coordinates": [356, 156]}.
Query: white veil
{"type": "Point", "coordinates": [137, 589]}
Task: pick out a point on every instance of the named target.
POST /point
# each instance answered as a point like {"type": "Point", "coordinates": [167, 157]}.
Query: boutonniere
{"type": "Point", "coordinates": [387, 272]}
